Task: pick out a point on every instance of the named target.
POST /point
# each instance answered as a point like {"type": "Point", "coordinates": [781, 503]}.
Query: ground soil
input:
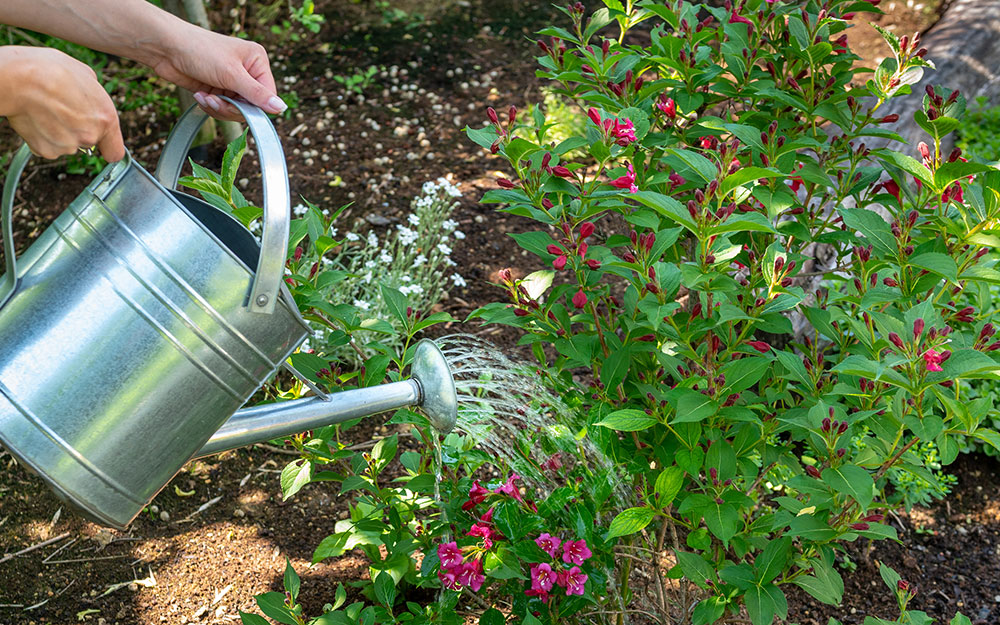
{"type": "Point", "coordinates": [184, 563]}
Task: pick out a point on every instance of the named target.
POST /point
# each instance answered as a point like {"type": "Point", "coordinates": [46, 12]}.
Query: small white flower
{"type": "Point", "coordinates": [449, 224]}
{"type": "Point", "coordinates": [448, 262]}
{"type": "Point", "coordinates": [370, 264]}
{"type": "Point", "coordinates": [444, 249]}
{"type": "Point", "coordinates": [333, 233]}
{"type": "Point", "coordinates": [385, 257]}
{"type": "Point", "coordinates": [363, 305]}
{"type": "Point", "coordinates": [459, 235]}
{"type": "Point", "coordinates": [372, 239]}
{"type": "Point", "coordinates": [404, 278]}
{"type": "Point", "coordinates": [458, 280]}
{"type": "Point", "coordinates": [414, 219]}
{"type": "Point", "coordinates": [350, 236]}
{"type": "Point", "coordinates": [419, 260]}
{"type": "Point", "coordinates": [300, 209]}
{"type": "Point", "coordinates": [367, 277]}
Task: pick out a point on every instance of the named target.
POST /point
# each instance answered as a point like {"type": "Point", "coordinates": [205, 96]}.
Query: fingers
{"type": "Point", "coordinates": [111, 144]}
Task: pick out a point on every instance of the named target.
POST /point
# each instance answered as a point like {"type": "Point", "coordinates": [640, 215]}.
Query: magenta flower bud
{"type": "Point", "coordinates": [512, 114]}
{"type": "Point", "coordinates": [760, 346]}
{"type": "Point", "coordinates": [813, 471]}
{"type": "Point", "coordinates": [580, 299]}
{"type": "Point", "coordinates": [895, 340]}
{"type": "Point", "coordinates": [860, 526]}
{"type": "Point", "coordinates": [552, 248]}
{"type": "Point", "coordinates": [562, 172]}
{"type": "Point", "coordinates": [492, 114]}
{"type": "Point", "coordinates": [841, 430]}
{"type": "Point", "coordinates": [628, 257]}
{"type": "Point", "coordinates": [825, 427]}
{"type": "Point", "coordinates": [918, 328]}
{"type": "Point", "coordinates": [889, 282]}
{"type": "Point", "coordinates": [593, 264]}
{"type": "Point", "coordinates": [504, 183]}
{"type": "Point", "coordinates": [559, 262]}
{"type": "Point", "coordinates": [586, 229]}
{"type": "Point", "coordinates": [298, 253]}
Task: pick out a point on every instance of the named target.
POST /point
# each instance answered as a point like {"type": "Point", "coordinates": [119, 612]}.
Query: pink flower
{"type": "Point", "coordinates": [575, 579]}
{"type": "Point", "coordinates": [627, 181]}
{"type": "Point", "coordinates": [933, 359]}
{"type": "Point", "coordinates": [542, 577]}
{"type": "Point", "coordinates": [668, 107]}
{"type": "Point", "coordinates": [450, 555]}
{"type": "Point", "coordinates": [580, 299]}
{"type": "Point", "coordinates": [484, 531]}
{"type": "Point", "coordinates": [549, 544]}
{"type": "Point", "coordinates": [471, 575]}
{"type": "Point", "coordinates": [575, 551]}
{"type": "Point", "coordinates": [449, 579]}
{"type": "Point", "coordinates": [676, 180]}
{"type": "Point", "coordinates": [735, 18]}
{"type": "Point", "coordinates": [623, 131]}
{"type": "Point", "coordinates": [477, 494]}
{"type": "Point", "coordinates": [509, 489]}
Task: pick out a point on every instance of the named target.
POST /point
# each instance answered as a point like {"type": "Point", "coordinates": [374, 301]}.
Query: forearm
{"type": "Point", "coordinates": [133, 29]}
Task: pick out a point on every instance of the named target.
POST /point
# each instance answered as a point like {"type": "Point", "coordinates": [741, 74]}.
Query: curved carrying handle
{"type": "Point", "coordinates": [277, 199]}
{"type": "Point", "coordinates": [6, 216]}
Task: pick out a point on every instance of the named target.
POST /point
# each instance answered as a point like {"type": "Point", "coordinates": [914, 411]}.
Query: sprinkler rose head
{"type": "Point", "coordinates": [438, 397]}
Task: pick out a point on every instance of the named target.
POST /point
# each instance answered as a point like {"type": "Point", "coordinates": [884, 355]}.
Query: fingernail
{"type": "Point", "coordinates": [199, 97]}
{"type": "Point", "coordinates": [213, 102]}
{"type": "Point", "coordinates": [276, 104]}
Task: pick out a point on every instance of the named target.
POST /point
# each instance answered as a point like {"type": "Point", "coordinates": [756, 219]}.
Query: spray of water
{"type": "Point", "coordinates": [505, 407]}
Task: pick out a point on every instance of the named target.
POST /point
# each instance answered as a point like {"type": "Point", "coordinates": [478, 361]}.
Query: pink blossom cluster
{"type": "Point", "coordinates": [456, 572]}
{"type": "Point", "coordinates": [622, 131]}
{"type": "Point", "coordinates": [546, 576]}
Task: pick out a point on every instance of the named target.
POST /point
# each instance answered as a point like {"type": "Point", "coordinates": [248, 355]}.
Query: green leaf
{"type": "Point", "coordinates": [722, 519]}
{"type": "Point", "coordinates": [252, 619]}
{"type": "Point", "coordinates": [692, 406]}
{"type": "Point", "coordinates": [851, 480]}
{"type": "Point", "coordinates": [991, 437]}
{"type": "Point", "coordinates": [294, 476]}
{"type": "Point", "coordinates": [272, 604]}
{"type": "Point", "coordinates": [809, 527]}
{"type": "Point", "coordinates": [742, 176]}
{"type": "Point", "coordinates": [743, 222]}
{"type": "Point", "coordinates": [960, 619]}
{"type": "Point", "coordinates": [668, 207]}
{"type": "Point", "coordinates": [231, 161]}
{"type": "Point", "coordinates": [825, 584]}
{"type": "Point", "coordinates": [872, 226]}
{"type": "Point", "coordinates": [668, 484]}
{"type": "Point", "coordinates": [708, 611]}
{"type": "Point", "coordinates": [937, 263]}
{"type": "Point", "coordinates": [950, 172]}
{"type": "Point", "coordinates": [628, 420]}
{"type": "Point", "coordinates": [492, 617]}
{"type": "Point", "coordinates": [340, 597]}
{"type": "Point", "coordinates": [630, 521]}
{"type": "Point", "coordinates": [743, 373]}
{"type": "Point", "coordinates": [890, 577]}
{"type": "Point", "coordinates": [739, 575]}
{"type": "Point", "coordinates": [395, 301]}
{"type": "Point", "coordinates": [764, 603]}
{"type": "Point", "coordinates": [771, 561]}
{"type": "Point", "coordinates": [909, 165]}
{"type": "Point", "coordinates": [332, 546]}
{"type": "Point", "coordinates": [705, 168]}
{"type": "Point", "coordinates": [291, 580]}
{"type": "Point", "coordinates": [695, 568]}
{"type": "Point", "coordinates": [385, 589]}
{"type": "Point", "coordinates": [615, 367]}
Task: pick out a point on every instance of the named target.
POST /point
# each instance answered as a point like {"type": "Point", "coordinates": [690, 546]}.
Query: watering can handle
{"type": "Point", "coordinates": [17, 164]}
{"type": "Point", "coordinates": [277, 202]}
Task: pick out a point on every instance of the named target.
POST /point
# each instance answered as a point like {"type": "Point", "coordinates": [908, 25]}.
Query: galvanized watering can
{"type": "Point", "coordinates": [134, 328]}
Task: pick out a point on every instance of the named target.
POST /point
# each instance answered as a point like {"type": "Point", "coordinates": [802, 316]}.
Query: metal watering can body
{"type": "Point", "coordinates": [142, 319]}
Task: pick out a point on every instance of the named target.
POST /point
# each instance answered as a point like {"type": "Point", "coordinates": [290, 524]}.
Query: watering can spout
{"type": "Point", "coordinates": [431, 387]}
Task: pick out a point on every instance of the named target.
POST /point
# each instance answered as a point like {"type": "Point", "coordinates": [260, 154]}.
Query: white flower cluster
{"type": "Point", "coordinates": [413, 258]}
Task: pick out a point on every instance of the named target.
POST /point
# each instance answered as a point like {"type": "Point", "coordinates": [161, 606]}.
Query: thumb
{"type": "Point", "coordinates": [254, 92]}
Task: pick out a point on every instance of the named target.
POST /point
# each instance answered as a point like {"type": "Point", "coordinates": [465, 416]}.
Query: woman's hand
{"type": "Point", "coordinates": [56, 103]}
{"type": "Point", "coordinates": [210, 64]}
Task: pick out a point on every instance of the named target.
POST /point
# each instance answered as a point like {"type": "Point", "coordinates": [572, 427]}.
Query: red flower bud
{"type": "Point", "coordinates": [580, 299]}
{"type": "Point", "coordinates": [562, 172]}
{"type": "Point", "coordinates": [860, 526]}
{"type": "Point", "coordinates": [491, 112]}
{"type": "Point", "coordinates": [552, 248]}
{"type": "Point", "coordinates": [586, 229]}
{"type": "Point", "coordinates": [813, 471]}
{"type": "Point", "coordinates": [504, 183]}
{"type": "Point", "coordinates": [895, 340]}
{"type": "Point", "coordinates": [760, 346]}
{"type": "Point", "coordinates": [559, 262]}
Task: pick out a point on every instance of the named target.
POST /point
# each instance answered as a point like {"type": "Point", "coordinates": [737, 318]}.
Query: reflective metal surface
{"type": "Point", "coordinates": [128, 340]}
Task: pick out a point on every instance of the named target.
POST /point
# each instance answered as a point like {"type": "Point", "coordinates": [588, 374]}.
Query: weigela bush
{"type": "Point", "coordinates": [767, 311]}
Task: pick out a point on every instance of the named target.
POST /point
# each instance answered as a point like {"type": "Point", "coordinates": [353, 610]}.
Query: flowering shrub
{"type": "Point", "coordinates": [760, 313]}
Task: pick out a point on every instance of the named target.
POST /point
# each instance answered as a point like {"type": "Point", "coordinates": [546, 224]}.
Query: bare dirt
{"type": "Point", "coordinates": [183, 562]}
